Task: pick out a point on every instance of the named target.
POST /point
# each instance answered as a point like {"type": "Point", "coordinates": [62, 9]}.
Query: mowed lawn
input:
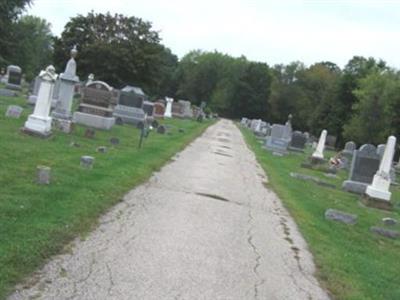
{"type": "Point", "coordinates": [37, 220]}
{"type": "Point", "coordinates": [352, 262]}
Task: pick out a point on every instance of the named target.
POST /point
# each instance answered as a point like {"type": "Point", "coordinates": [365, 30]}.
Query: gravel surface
{"type": "Point", "coordinates": [204, 227]}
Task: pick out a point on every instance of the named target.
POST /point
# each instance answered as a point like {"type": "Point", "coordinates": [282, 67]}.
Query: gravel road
{"type": "Point", "coordinates": [204, 227]}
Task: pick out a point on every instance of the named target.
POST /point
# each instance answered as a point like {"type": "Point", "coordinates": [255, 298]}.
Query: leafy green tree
{"type": "Point", "coordinates": [9, 11]}
{"type": "Point", "coordinates": [377, 95]}
{"type": "Point", "coordinates": [117, 49]}
{"type": "Point", "coordinates": [34, 45]}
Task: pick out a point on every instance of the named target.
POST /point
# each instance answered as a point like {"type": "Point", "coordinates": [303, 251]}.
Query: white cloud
{"type": "Point", "coordinates": [270, 31]}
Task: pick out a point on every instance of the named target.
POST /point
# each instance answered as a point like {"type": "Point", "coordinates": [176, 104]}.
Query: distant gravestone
{"type": "Point", "coordinates": [87, 162]}
{"type": "Point", "coordinates": [392, 234]}
{"type": "Point", "coordinates": [159, 110]}
{"type": "Point", "coordinates": [380, 149]}
{"type": "Point", "coordinates": [177, 110]}
{"type": "Point", "coordinates": [14, 111]}
{"type": "Point", "coordinates": [90, 133]}
{"type": "Point", "coordinates": [8, 93]}
{"type": "Point", "coordinates": [298, 142]}
{"type": "Point", "coordinates": [97, 106]}
{"type": "Point", "coordinates": [14, 78]}
{"type": "Point", "coordinates": [330, 142]}
{"type": "Point", "coordinates": [337, 215]}
{"type": "Point", "coordinates": [277, 141]}
{"type": "Point", "coordinates": [186, 109]}
{"type": "Point", "coordinates": [43, 174]}
{"type": "Point", "coordinates": [364, 165]}
{"type": "Point", "coordinates": [161, 129]}
{"type": "Point", "coordinates": [130, 108]}
{"type": "Point", "coordinates": [101, 149]}
{"type": "Point", "coordinates": [347, 154]}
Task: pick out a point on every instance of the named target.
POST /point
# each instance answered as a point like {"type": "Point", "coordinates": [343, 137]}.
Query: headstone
{"type": "Point", "coordinates": [347, 154]}
{"type": "Point", "coordinates": [177, 110]}
{"type": "Point", "coordinates": [14, 111]}
{"type": "Point", "coordinates": [161, 129]}
{"type": "Point", "coordinates": [168, 109]}
{"type": "Point", "coordinates": [319, 151]}
{"type": "Point", "coordinates": [186, 109]}
{"type": "Point", "coordinates": [330, 142]}
{"type": "Point", "coordinates": [101, 149]}
{"type": "Point", "coordinates": [14, 78]}
{"type": "Point", "coordinates": [196, 111]}
{"type": "Point", "coordinates": [364, 165]}
{"type": "Point", "coordinates": [380, 149]}
{"type": "Point", "coordinates": [298, 142]}
{"type": "Point", "coordinates": [35, 90]}
{"type": "Point", "coordinates": [40, 122]}
{"type": "Point", "coordinates": [277, 141]}
{"type": "Point", "coordinates": [159, 110]}
{"type": "Point", "coordinates": [67, 81]}
{"type": "Point", "coordinates": [392, 234]}
{"type": "Point", "coordinates": [130, 105]}
{"type": "Point", "coordinates": [97, 106]}
{"type": "Point", "coordinates": [8, 93]}
{"type": "Point", "coordinates": [379, 189]}
{"type": "Point", "coordinates": [337, 215]}
{"type": "Point", "coordinates": [43, 174]}
{"type": "Point", "coordinates": [148, 108]}
{"type": "Point", "coordinates": [87, 162]}
{"type": "Point", "coordinates": [90, 133]}
{"type": "Point", "coordinates": [288, 129]}
{"type": "Point", "coordinates": [389, 221]}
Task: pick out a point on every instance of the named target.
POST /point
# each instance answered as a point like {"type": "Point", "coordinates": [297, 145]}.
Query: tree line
{"type": "Point", "coordinates": [359, 102]}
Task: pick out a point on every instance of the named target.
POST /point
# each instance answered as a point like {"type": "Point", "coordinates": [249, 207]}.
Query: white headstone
{"type": "Point", "coordinates": [40, 122]}
{"type": "Point", "coordinates": [319, 152]}
{"type": "Point", "coordinates": [168, 109]}
{"type": "Point", "coordinates": [379, 189]}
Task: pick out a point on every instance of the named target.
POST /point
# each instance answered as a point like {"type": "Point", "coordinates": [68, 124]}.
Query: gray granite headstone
{"type": "Point", "coordinates": [87, 161]}
{"type": "Point", "coordinates": [385, 232]}
{"type": "Point", "coordinates": [130, 105]}
{"type": "Point", "coordinates": [43, 174]}
{"type": "Point", "coordinates": [347, 154]}
{"type": "Point", "coordinates": [330, 142]}
{"type": "Point", "coordinates": [8, 93]}
{"type": "Point", "coordinates": [298, 141]}
{"type": "Point", "coordinates": [14, 78]}
{"type": "Point", "coordinates": [364, 165]}
{"type": "Point", "coordinates": [14, 111]}
{"type": "Point", "coordinates": [337, 215]}
{"type": "Point", "coordinates": [277, 141]}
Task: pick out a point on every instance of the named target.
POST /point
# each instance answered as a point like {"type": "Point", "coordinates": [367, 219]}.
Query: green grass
{"type": "Point", "coordinates": [352, 262]}
{"type": "Point", "coordinates": [36, 221]}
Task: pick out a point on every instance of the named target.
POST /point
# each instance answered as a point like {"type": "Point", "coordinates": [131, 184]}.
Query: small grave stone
{"type": "Point", "coordinates": [337, 215]}
{"type": "Point", "coordinates": [159, 110]}
{"type": "Point", "coordinates": [102, 149]}
{"type": "Point", "coordinates": [87, 161]}
{"type": "Point", "coordinates": [330, 142]}
{"type": "Point", "coordinates": [154, 124]}
{"type": "Point", "coordinates": [385, 232]}
{"type": "Point", "coordinates": [90, 133]}
{"type": "Point", "coordinates": [14, 111]}
{"type": "Point", "coordinates": [161, 129]}
{"type": "Point", "coordinates": [43, 174]}
{"type": "Point", "coordinates": [114, 141]}
{"type": "Point", "coordinates": [14, 78]}
{"type": "Point", "coordinates": [130, 108]}
{"type": "Point", "coordinates": [7, 93]}
{"type": "Point", "coordinates": [181, 130]}
{"type": "Point", "coordinates": [389, 221]}
{"type": "Point", "coordinates": [298, 142]}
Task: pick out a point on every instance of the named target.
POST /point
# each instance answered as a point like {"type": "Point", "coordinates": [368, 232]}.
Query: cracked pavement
{"type": "Point", "coordinates": [204, 227]}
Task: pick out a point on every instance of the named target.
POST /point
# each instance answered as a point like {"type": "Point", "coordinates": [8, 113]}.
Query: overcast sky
{"type": "Point", "coordinates": [268, 31]}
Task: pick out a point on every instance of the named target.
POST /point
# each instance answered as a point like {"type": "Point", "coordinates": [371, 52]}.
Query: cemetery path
{"type": "Point", "coordinates": [204, 227]}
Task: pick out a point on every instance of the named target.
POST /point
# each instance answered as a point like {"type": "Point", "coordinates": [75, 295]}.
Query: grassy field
{"type": "Point", "coordinates": [36, 220]}
{"type": "Point", "coordinates": [352, 262]}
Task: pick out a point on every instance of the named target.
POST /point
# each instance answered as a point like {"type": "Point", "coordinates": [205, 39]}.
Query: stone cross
{"type": "Point", "coordinates": [40, 122]}
{"type": "Point", "coordinates": [379, 189]}
{"type": "Point", "coordinates": [168, 109]}
{"type": "Point", "coordinates": [319, 152]}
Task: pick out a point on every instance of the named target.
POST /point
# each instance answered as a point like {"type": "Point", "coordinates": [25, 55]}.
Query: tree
{"type": "Point", "coordinates": [377, 95]}
{"type": "Point", "coordinates": [35, 40]}
{"type": "Point", "coordinates": [9, 11]}
{"type": "Point", "coordinates": [117, 49]}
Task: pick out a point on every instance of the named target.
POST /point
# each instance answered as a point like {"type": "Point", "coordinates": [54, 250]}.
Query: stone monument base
{"type": "Point", "coordinates": [14, 87]}
{"type": "Point", "coordinates": [354, 187]}
{"type": "Point", "coordinates": [36, 125]}
{"type": "Point", "coordinates": [276, 145]}
{"type": "Point", "coordinates": [378, 194]}
{"type": "Point", "coordinates": [63, 125]}
{"type": "Point", "coordinates": [376, 203]}
{"type": "Point", "coordinates": [94, 121]}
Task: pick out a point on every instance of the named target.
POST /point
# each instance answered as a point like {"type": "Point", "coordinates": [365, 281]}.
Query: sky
{"type": "Point", "coordinates": [267, 31]}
